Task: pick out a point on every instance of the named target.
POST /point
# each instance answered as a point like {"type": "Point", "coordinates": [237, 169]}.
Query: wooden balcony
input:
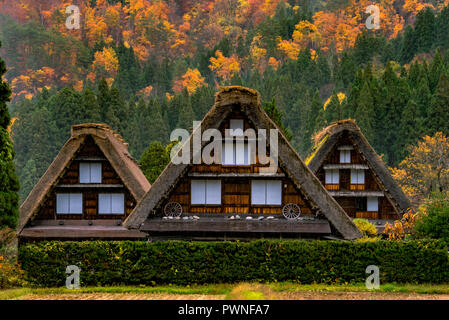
{"type": "Point", "coordinates": [367, 214]}
{"type": "Point", "coordinates": [332, 187]}
{"type": "Point", "coordinates": [357, 187]}
{"type": "Point", "coordinates": [220, 223]}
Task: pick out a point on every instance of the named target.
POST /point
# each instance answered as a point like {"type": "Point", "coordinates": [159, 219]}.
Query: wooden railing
{"type": "Point", "coordinates": [367, 214]}
{"type": "Point", "coordinates": [332, 187]}
{"type": "Point", "coordinates": [357, 187]}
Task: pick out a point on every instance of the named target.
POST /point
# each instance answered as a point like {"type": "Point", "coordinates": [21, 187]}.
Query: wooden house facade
{"type": "Point", "coordinates": [90, 188]}
{"type": "Point", "coordinates": [353, 173]}
{"type": "Point", "coordinates": [236, 198]}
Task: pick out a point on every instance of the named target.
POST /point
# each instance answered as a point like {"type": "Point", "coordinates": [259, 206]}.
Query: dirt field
{"type": "Point", "coordinates": [293, 295]}
{"type": "Point", "coordinates": [120, 296]}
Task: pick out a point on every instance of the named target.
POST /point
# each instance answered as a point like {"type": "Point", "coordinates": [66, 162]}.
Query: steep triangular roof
{"type": "Point", "coordinates": [249, 104]}
{"type": "Point", "coordinates": [113, 148]}
{"type": "Point", "coordinates": [328, 137]}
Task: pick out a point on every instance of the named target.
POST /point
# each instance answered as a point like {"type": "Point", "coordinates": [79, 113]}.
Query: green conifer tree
{"type": "Point", "coordinates": [438, 117]}
{"type": "Point", "coordinates": [9, 182]}
{"type": "Point", "coordinates": [154, 160]}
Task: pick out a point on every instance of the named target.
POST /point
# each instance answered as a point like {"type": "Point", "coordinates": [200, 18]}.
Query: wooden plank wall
{"type": "Point", "coordinates": [236, 192]}
{"type": "Point", "coordinates": [349, 204]}
{"type": "Point", "coordinates": [90, 195]}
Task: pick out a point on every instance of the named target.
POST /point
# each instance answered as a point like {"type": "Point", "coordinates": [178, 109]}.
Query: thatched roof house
{"type": "Point", "coordinates": [354, 174]}
{"type": "Point", "coordinates": [236, 187]}
{"type": "Point", "coordinates": [89, 188]}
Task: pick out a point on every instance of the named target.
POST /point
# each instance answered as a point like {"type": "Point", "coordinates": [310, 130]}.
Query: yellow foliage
{"type": "Point", "coordinates": [426, 169]}
{"type": "Point", "coordinates": [341, 96]}
{"type": "Point", "coordinates": [400, 228]}
{"type": "Point", "coordinates": [306, 33]}
{"type": "Point", "coordinates": [288, 48]}
{"type": "Point", "coordinates": [14, 119]}
{"type": "Point", "coordinates": [191, 80]}
{"type": "Point", "coordinates": [224, 67]}
{"type": "Point", "coordinates": [106, 61]}
{"type": "Point", "coordinates": [368, 229]}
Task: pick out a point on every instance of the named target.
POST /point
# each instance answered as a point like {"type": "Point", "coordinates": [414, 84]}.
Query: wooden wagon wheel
{"type": "Point", "coordinates": [291, 211]}
{"type": "Point", "coordinates": [173, 209]}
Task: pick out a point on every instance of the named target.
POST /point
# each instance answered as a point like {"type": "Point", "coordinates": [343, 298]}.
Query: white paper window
{"type": "Point", "coordinates": [372, 204]}
{"type": "Point", "coordinates": [357, 176]}
{"type": "Point", "coordinates": [266, 192]}
{"type": "Point", "coordinates": [236, 127]}
{"type": "Point", "coordinates": [69, 203]}
{"type": "Point", "coordinates": [345, 156]}
{"type": "Point", "coordinates": [332, 176]}
{"type": "Point", "coordinates": [236, 153]}
{"type": "Point", "coordinates": [111, 203]}
{"type": "Point", "coordinates": [213, 192]}
{"type": "Point", "coordinates": [258, 191]}
{"type": "Point", "coordinates": [206, 192]}
{"type": "Point", "coordinates": [90, 172]}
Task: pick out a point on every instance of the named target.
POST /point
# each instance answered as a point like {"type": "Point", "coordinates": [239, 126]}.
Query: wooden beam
{"type": "Point", "coordinates": [235, 175]}
{"type": "Point", "coordinates": [227, 225]}
{"type": "Point", "coordinates": [90, 185]}
{"type": "Point", "coordinates": [83, 222]}
{"type": "Point", "coordinates": [346, 166]}
{"type": "Point", "coordinates": [80, 232]}
{"type": "Point", "coordinates": [356, 193]}
{"type": "Point", "coordinates": [345, 148]}
{"type": "Point", "coordinates": [88, 158]}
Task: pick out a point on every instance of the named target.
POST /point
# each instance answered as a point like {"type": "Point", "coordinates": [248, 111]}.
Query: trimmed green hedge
{"type": "Point", "coordinates": [182, 262]}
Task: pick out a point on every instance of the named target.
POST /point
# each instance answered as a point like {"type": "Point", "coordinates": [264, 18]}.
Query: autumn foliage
{"type": "Point", "coordinates": [399, 229]}
{"type": "Point", "coordinates": [223, 66]}
{"type": "Point", "coordinates": [155, 28]}
{"type": "Point", "coordinates": [426, 169]}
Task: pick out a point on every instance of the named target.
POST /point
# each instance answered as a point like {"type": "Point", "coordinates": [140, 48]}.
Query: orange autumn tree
{"type": "Point", "coordinates": [145, 92]}
{"type": "Point", "coordinates": [414, 6]}
{"type": "Point", "coordinates": [191, 80]}
{"type": "Point", "coordinates": [224, 67]}
{"type": "Point", "coordinates": [258, 54]}
{"type": "Point", "coordinates": [426, 169]}
{"type": "Point", "coordinates": [342, 26]}
{"type": "Point", "coordinates": [288, 48]}
{"type": "Point", "coordinates": [105, 64]}
{"type": "Point", "coordinates": [95, 26]}
{"type": "Point", "coordinates": [306, 35]}
{"type": "Point", "coordinates": [400, 229]}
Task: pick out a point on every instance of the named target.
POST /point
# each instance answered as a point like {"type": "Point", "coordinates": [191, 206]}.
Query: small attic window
{"type": "Point", "coordinates": [236, 126]}
{"type": "Point", "coordinates": [236, 153]}
{"type": "Point", "coordinates": [90, 172]}
{"type": "Point", "coordinates": [345, 156]}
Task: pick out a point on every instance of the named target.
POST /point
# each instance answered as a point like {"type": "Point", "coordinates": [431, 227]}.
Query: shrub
{"type": "Point", "coordinates": [182, 262]}
{"type": "Point", "coordinates": [403, 228]}
{"type": "Point", "coordinates": [368, 229]}
{"type": "Point", "coordinates": [433, 220]}
{"type": "Point", "coordinates": [10, 273]}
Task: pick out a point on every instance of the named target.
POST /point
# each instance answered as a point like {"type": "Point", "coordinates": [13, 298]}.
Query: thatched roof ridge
{"type": "Point", "coordinates": [248, 102]}
{"type": "Point", "coordinates": [329, 136]}
{"type": "Point", "coordinates": [115, 151]}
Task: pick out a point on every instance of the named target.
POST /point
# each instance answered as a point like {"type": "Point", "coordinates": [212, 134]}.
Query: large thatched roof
{"type": "Point", "coordinates": [328, 137]}
{"type": "Point", "coordinates": [113, 148]}
{"type": "Point", "coordinates": [248, 102]}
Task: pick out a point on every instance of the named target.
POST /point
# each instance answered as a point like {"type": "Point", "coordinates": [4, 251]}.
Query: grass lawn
{"type": "Point", "coordinates": [242, 291]}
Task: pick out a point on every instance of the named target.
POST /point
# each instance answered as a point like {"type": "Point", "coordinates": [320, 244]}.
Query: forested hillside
{"type": "Point", "coordinates": [146, 67]}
